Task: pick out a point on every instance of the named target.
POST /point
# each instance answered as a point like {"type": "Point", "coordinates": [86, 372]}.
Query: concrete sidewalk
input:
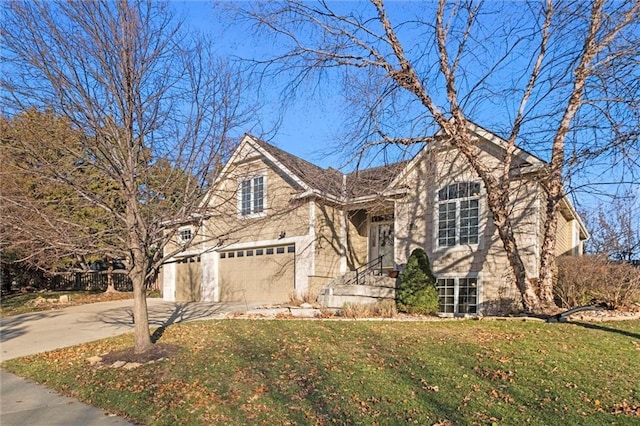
{"type": "Point", "coordinates": [26, 403]}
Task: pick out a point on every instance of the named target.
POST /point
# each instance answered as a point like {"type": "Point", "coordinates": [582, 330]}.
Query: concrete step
{"type": "Point", "coordinates": [380, 281]}
{"type": "Point", "coordinates": [338, 301]}
{"type": "Point", "coordinates": [362, 290]}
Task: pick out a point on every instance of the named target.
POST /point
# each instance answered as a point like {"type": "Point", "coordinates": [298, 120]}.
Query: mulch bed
{"type": "Point", "coordinates": [157, 351]}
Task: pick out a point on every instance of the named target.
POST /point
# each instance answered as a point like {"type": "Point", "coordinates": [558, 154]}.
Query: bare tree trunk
{"type": "Point", "coordinates": [530, 301]}
{"type": "Point", "coordinates": [592, 46]}
{"type": "Point", "coordinates": [137, 273]}
{"type": "Point", "coordinates": [321, 38]}
{"type": "Point", "coordinates": [459, 138]}
{"type": "Point", "coordinates": [142, 337]}
{"type": "Point", "coordinates": [548, 252]}
{"type": "Point", "coordinates": [154, 109]}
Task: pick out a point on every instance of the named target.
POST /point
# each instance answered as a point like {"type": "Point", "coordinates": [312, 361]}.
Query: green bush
{"type": "Point", "coordinates": [417, 292]}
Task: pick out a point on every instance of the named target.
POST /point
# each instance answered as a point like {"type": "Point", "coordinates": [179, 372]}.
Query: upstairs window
{"type": "Point", "coordinates": [184, 235]}
{"type": "Point", "coordinates": [458, 214]}
{"type": "Point", "coordinates": [252, 196]}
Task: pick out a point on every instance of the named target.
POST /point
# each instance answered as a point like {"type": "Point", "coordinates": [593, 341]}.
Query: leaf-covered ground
{"type": "Point", "coordinates": [365, 372]}
{"type": "Point", "coordinates": [21, 303]}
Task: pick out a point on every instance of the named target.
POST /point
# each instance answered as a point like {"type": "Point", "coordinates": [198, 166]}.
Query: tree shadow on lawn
{"type": "Point", "coordinates": [166, 314]}
{"type": "Point", "coordinates": [181, 312]}
{"type": "Point", "coordinates": [365, 399]}
{"type": "Point", "coordinates": [593, 326]}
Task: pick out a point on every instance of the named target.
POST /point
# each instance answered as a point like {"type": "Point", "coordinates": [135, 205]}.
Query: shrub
{"type": "Point", "coordinates": [307, 297]}
{"type": "Point", "coordinates": [382, 309]}
{"type": "Point", "coordinates": [582, 279]}
{"type": "Point", "coordinates": [355, 310]}
{"type": "Point", "coordinates": [325, 313]}
{"type": "Point", "coordinates": [417, 292]}
{"type": "Point", "coordinates": [424, 301]}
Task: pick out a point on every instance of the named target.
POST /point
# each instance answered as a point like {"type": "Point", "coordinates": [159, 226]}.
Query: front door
{"type": "Point", "coordinates": [381, 241]}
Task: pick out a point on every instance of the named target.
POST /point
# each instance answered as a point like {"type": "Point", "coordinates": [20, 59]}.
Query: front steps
{"type": "Point", "coordinates": [374, 288]}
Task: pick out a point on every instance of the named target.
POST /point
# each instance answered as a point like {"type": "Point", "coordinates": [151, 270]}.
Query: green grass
{"type": "Point", "coordinates": [365, 373]}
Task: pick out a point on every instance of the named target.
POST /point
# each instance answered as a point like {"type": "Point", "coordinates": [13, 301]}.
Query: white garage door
{"type": "Point", "coordinates": [265, 274]}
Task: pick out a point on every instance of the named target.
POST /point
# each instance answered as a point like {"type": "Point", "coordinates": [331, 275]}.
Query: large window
{"type": "Point", "coordinates": [458, 295]}
{"type": "Point", "coordinates": [458, 214]}
{"type": "Point", "coordinates": [252, 196]}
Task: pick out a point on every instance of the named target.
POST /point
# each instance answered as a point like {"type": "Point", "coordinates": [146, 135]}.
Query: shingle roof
{"type": "Point", "coordinates": [373, 180]}
{"type": "Point", "coordinates": [324, 180]}
{"type": "Point", "coordinates": [359, 183]}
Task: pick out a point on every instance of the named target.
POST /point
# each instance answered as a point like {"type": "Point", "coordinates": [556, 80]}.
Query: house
{"type": "Point", "coordinates": [280, 226]}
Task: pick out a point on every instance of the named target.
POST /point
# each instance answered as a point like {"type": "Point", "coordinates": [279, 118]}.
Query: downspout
{"type": "Point", "coordinates": [312, 235]}
{"type": "Point", "coordinates": [343, 228]}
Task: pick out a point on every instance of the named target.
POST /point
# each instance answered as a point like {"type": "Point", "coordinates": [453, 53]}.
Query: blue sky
{"type": "Point", "coordinates": [312, 123]}
{"type": "Point", "coordinates": [309, 125]}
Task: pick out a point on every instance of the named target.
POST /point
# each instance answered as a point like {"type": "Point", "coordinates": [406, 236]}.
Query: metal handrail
{"type": "Point", "coordinates": [365, 269]}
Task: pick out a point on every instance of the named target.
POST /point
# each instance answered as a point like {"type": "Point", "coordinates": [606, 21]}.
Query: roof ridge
{"type": "Point", "coordinates": [286, 153]}
{"type": "Point", "coordinates": [382, 166]}
{"type": "Point", "coordinates": [329, 168]}
{"type": "Point", "coordinates": [315, 177]}
{"type": "Point", "coordinates": [360, 182]}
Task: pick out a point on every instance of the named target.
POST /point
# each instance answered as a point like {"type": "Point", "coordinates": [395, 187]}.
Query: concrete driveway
{"type": "Point", "coordinates": [26, 403]}
{"type": "Point", "coordinates": [37, 332]}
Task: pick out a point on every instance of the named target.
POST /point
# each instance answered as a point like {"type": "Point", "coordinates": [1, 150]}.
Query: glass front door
{"type": "Point", "coordinates": [381, 241]}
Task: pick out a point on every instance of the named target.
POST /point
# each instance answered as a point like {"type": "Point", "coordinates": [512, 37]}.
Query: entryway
{"type": "Point", "coordinates": [381, 242]}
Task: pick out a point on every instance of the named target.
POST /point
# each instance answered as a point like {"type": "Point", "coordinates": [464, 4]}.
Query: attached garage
{"type": "Point", "coordinates": [189, 279]}
{"type": "Point", "coordinates": [264, 274]}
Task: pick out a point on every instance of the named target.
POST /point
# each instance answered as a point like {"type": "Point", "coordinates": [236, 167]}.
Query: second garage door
{"type": "Point", "coordinates": [189, 279]}
{"type": "Point", "coordinates": [265, 274]}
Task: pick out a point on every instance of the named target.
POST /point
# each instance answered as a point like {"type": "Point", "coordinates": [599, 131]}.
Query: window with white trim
{"type": "Point", "coordinates": [252, 196]}
{"type": "Point", "coordinates": [576, 238]}
{"type": "Point", "coordinates": [458, 214]}
{"type": "Point", "coordinates": [458, 295]}
{"type": "Point", "coordinates": [184, 235]}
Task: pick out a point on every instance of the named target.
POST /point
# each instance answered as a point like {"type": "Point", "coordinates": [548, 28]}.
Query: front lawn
{"type": "Point", "coordinates": [22, 303]}
{"type": "Point", "coordinates": [275, 372]}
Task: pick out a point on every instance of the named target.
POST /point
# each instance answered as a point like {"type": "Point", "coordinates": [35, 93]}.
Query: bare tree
{"type": "Point", "coordinates": [615, 228]}
{"type": "Point", "coordinates": [156, 110]}
{"type": "Point", "coordinates": [441, 65]}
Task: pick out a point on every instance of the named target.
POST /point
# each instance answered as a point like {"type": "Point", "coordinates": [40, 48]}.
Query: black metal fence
{"type": "Point", "coordinates": [91, 281]}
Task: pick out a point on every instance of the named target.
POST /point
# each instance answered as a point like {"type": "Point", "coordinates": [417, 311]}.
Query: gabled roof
{"type": "Point", "coordinates": [500, 142]}
{"type": "Point", "coordinates": [328, 181]}
{"type": "Point", "coordinates": [332, 184]}
{"type": "Point", "coordinates": [316, 181]}
{"type": "Point", "coordinates": [527, 161]}
{"type": "Point", "coordinates": [363, 184]}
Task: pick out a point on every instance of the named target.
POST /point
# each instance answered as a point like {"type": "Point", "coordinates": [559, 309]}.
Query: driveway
{"type": "Point", "coordinates": [24, 403]}
{"type": "Point", "coordinates": [36, 332]}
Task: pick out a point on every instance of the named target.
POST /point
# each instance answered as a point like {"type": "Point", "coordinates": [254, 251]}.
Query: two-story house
{"type": "Point", "coordinates": [280, 226]}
